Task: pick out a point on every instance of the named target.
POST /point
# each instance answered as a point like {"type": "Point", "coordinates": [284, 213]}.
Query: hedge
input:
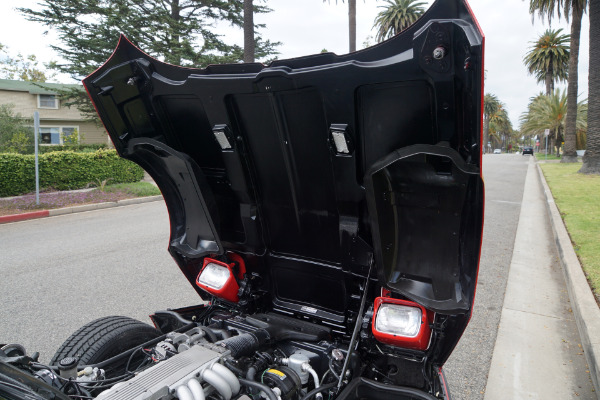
{"type": "Point", "coordinates": [64, 170]}
{"type": "Point", "coordinates": [80, 148]}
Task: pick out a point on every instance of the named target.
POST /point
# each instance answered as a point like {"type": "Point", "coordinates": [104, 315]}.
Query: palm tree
{"type": "Point", "coordinates": [549, 112]}
{"type": "Point", "coordinates": [548, 58]}
{"type": "Point", "coordinates": [351, 24]}
{"type": "Point", "coordinates": [397, 16]}
{"type": "Point", "coordinates": [491, 104]}
{"type": "Point", "coordinates": [500, 126]}
{"type": "Point", "coordinates": [574, 9]}
{"type": "Point", "coordinates": [591, 159]}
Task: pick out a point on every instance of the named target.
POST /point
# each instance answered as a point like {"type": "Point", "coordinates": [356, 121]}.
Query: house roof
{"type": "Point", "coordinates": [35, 87]}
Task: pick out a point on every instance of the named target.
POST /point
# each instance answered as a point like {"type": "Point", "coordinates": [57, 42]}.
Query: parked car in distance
{"type": "Point", "coordinates": [497, 151]}
{"type": "Point", "coordinates": [528, 150]}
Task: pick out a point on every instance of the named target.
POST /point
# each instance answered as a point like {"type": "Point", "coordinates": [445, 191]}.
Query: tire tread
{"type": "Point", "coordinates": [91, 340]}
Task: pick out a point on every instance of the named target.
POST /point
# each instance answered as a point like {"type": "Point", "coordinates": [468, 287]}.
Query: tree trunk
{"type": "Point", "coordinates": [175, 57]}
{"type": "Point", "coordinates": [570, 156]}
{"type": "Point", "coordinates": [248, 31]}
{"type": "Point", "coordinates": [549, 82]}
{"type": "Point", "coordinates": [352, 24]}
{"type": "Point", "coordinates": [591, 159]}
{"type": "Point", "coordinates": [558, 142]}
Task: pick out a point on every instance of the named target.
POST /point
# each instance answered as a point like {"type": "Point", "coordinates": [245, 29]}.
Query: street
{"type": "Point", "coordinates": [468, 366]}
{"type": "Point", "coordinates": [62, 272]}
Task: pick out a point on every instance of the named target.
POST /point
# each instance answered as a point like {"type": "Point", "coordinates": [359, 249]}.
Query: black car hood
{"type": "Point", "coordinates": [313, 168]}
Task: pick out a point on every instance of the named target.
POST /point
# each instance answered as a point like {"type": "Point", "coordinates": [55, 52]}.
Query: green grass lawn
{"type": "Point", "coordinates": [543, 157]}
{"type": "Point", "coordinates": [578, 199]}
{"type": "Point", "coordinates": [137, 189]}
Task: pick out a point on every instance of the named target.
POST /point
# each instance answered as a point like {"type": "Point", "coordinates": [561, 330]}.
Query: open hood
{"type": "Point", "coordinates": [316, 168]}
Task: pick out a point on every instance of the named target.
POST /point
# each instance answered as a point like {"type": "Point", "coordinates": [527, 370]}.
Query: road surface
{"type": "Point", "coordinates": [467, 368]}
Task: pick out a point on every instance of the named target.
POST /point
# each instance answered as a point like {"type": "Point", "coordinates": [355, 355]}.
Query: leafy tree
{"type": "Point", "coordinates": [591, 159]}
{"type": "Point", "coordinates": [16, 133]}
{"type": "Point", "coordinates": [573, 9]}
{"type": "Point", "coordinates": [548, 58]}
{"type": "Point", "coordinates": [491, 105]}
{"type": "Point", "coordinates": [19, 67]}
{"type": "Point", "coordinates": [397, 16]}
{"type": "Point", "coordinates": [175, 31]}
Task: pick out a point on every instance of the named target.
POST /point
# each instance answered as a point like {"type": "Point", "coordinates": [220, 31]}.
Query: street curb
{"type": "Point", "coordinates": [5, 219]}
{"type": "Point", "coordinates": [76, 209]}
{"type": "Point", "coordinates": [583, 302]}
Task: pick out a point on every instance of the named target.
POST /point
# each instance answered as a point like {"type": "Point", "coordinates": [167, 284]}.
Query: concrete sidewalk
{"type": "Point", "coordinates": [538, 352]}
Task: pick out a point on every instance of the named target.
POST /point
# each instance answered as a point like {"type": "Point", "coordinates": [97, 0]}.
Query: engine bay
{"type": "Point", "coordinates": [218, 353]}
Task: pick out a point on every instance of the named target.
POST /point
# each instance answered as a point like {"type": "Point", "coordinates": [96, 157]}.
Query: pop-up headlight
{"type": "Point", "coordinates": [214, 276]}
{"type": "Point", "coordinates": [401, 323]}
{"type": "Point", "coordinates": [217, 278]}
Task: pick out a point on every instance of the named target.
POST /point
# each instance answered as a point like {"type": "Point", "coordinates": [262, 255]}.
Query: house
{"type": "Point", "coordinates": [57, 121]}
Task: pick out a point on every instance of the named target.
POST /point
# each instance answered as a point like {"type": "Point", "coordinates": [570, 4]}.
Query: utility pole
{"type": "Point", "coordinates": [36, 132]}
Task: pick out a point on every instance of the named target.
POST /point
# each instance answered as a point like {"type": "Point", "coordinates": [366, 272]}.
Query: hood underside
{"type": "Point", "coordinates": [313, 168]}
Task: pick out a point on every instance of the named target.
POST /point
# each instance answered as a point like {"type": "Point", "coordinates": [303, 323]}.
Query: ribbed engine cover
{"type": "Point", "coordinates": [154, 383]}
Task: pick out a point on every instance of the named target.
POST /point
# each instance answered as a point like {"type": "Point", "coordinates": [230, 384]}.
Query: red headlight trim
{"type": "Point", "coordinates": [402, 323]}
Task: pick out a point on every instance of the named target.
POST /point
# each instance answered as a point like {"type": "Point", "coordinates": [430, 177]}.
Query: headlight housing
{"type": "Point", "coordinates": [401, 323]}
{"type": "Point", "coordinates": [218, 278]}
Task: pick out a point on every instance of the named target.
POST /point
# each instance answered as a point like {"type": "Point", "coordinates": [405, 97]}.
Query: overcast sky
{"type": "Point", "coordinates": [308, 26]}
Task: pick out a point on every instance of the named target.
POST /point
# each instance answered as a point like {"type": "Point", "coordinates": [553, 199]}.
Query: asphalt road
{"type": "Point", "coordinates": [61, 272]}
{"type": "Point", "coordinates": [468, 366]}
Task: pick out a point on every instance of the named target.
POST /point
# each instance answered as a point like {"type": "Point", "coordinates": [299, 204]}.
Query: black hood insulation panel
{"type": "Point", "coordinates": [314, 167]}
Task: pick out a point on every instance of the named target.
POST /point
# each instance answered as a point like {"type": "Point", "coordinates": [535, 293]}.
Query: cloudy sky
{"type": "Point", "coordinates": [308, 26]}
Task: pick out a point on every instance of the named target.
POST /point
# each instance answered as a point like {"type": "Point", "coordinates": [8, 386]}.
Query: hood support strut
{"type": "Point", "coordinates": [357, 325]}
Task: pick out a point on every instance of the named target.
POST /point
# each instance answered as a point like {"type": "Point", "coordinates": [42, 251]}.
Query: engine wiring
{"type": "Point", "coordinates": [267, 368]}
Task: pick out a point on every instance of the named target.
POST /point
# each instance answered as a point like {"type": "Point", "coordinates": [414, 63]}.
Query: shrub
{"type": "Point", "coordinates": [18, 145]}
{"type": "Point", "coordinates": [64, 170]}
{"type": "Point", "coordinates": [16, 133]}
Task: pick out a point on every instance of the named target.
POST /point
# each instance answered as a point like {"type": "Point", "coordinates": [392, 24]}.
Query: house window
{"type": "Point", "coordinates": [59, 134]}
{"type": "Point", "coordinates": [50, 135]}
{"type": "Point", "coordinates": [47, 101]}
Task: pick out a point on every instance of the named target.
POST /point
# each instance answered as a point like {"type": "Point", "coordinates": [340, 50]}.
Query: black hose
{"type": "Point", "coordinates": [245, 344]}
{"type": "Point", "coordinates": [212, 337]}
{"type": "Point", "coordinates": [223, 333]}
{"type": "Point", "coordinates": [267, 390]}
{"type": "Point", "coordinates": [318, 390]}
{"type": "Point", "coordinates": [235, 369]}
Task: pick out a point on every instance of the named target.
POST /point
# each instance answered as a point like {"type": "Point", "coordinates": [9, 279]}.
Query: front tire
{"type": "Point", "coordinates": [104, 338]}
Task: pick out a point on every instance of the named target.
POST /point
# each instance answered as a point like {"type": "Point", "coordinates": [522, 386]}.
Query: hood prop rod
{"type": "Point", "coordinates": [357, 326]}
